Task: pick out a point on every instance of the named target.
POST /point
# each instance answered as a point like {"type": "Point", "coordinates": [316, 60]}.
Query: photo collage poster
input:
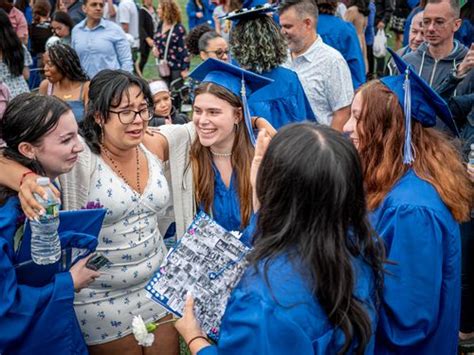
{"type": "Point", "coordinates": [208, 261]}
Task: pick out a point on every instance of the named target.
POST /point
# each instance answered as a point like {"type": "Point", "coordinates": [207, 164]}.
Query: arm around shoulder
{"type": "Point", "coordinates": [155, 142]}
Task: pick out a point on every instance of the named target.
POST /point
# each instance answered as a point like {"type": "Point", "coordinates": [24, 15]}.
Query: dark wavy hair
{"type": "Point", "coordinates": [10, 46]}
{"type": "Point", "coordinates": [64, 18]}
{"type": "Point", "coordinates": [66, 60]}
{"type": "Point", "coordinates": [316, 214]}
{"type": "Point", "coordinates": [257, 44]}
{"type": "Point", "coordinates": [28, 118]}
{"type": "Point", "coordinates": [193, 37]}
{"type": "Point", "coordinates": [106, 91]}
{"type": "Point", "coordinates": [327, 7]}
{"type": "Point", "coordinates": [41, 8]}
{"type": "Point", "coordinates": [362, 6]}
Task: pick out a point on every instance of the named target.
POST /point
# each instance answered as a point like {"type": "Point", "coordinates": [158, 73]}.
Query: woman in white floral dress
{"type": "Point", "coordinates": [128, 180]}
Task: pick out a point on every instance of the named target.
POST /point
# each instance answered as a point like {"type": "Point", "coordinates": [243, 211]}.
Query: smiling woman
{"type": "Point", "coordinates": [217, 146]}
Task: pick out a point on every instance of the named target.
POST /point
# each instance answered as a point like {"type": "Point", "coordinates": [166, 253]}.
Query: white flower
{"type": "Point", "coordinates": [141, 333]}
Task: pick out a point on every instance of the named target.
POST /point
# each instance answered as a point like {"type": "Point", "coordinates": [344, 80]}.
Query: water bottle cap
{"type": "Point", "coordinates": [42, 181]}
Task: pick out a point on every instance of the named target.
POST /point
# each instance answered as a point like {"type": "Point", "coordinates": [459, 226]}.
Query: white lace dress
{"type": "Point", "coordinates": [131, 240]}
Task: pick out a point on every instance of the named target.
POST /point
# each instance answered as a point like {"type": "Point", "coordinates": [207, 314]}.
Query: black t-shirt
{"type": "Point", "coordinates": [39, 34]}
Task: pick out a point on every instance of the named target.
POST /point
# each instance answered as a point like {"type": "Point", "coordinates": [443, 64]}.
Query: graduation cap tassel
{"type": "Point", "coordinates": [247, 116]}
{"type": "Point", "coordinates": [407, 149]}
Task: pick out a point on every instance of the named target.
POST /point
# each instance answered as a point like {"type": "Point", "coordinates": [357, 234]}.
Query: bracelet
{"type": "Point", "coordinates": [197, 337]}
{"type": "Point", "coordinates": [25, 175]}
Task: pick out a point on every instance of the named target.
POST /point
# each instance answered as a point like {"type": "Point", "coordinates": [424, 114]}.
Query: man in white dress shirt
{"type": "Point", "coordinates": [322, 70]}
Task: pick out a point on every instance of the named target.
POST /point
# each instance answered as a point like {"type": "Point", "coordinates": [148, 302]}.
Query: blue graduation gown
{"type": "Point", "coordinates": [34, 320]}
{"type": "Point", "coordinates": [226, 205]}
{"type": "Point", "coordinates": [282, 101]}
{"type": "Point", "coordinates": [342, 36]}
{"type": "Point", "coordinates": [192, 9]}
{"type": "Point", "coordinates": [421, 303]}
{"type": "Point", "coordinates": [282, 316]}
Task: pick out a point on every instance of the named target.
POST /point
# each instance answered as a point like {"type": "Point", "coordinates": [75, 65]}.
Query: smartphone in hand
{"type": "Point", "coordinates": [97, 261]}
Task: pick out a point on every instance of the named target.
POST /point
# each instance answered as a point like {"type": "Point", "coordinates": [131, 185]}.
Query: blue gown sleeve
{"type": "Point", "coordinates": [249, 231]}
{"type": "Point", "coordinates": [21, 305]}
{"type": "Point", "coordinates": [414, 241]}
{"type": "Point", "coordinates": [252, 326]}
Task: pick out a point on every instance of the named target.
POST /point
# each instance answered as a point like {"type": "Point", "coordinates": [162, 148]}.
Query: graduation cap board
{"type": "Point", "coordinates": [239, 81]}
{"type": "Point", "coordinates": [419, 101]}
{"type": "Point", "coordinates": [78, 232]}
{"type": "Point", "coordinates": [250, 9]}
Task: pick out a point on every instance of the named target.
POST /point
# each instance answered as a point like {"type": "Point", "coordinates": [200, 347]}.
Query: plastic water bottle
{"type": "Point", "coordinates": [45, 243]}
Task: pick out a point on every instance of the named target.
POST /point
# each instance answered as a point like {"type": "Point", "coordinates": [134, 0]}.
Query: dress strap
{"type": "Point", "coordinates": [80, 94]}
{"type": "Point", "coordinates": [49, 90]}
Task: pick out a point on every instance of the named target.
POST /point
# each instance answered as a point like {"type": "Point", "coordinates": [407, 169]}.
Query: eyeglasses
{"type": "Point", "coordinates": [220, 52]}
{"type": "Point", "coordinates": [128, 116]}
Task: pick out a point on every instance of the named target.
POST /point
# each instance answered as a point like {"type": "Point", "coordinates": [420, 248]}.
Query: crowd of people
{"type": "Point", "coordinates": [345, 171]}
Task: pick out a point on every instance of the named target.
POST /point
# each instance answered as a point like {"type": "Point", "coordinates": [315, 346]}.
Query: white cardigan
{"type": "Point", "coordinates": [75, 185]}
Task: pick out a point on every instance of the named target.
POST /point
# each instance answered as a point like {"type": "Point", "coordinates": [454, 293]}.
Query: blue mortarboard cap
{"type": "Point", "coordinates": [426, 104]}
{"type": "Point", "coordinates": [250, 9]}
{"type": "Point", "coordinates": [418, 100]}
{"type": "Point", "coordinates": [239, 81]}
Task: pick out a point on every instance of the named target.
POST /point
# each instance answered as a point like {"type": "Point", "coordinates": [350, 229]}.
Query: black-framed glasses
{"type": "Point", "coordinates": [220, 52]}
{"type": "Point", "coordinates": [128, 116]}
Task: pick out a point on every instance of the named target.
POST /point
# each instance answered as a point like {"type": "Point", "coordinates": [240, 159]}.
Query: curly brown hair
{"type": "Point", "coordinates": [381, 131]}
{"type": "Point", "coordinates": [170, 11]}
{"type": "Point", "coordinates": [257, 44]}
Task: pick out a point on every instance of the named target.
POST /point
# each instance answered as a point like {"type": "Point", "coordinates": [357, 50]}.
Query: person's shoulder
{"type": "Point", "coordinates": [330, 54]}
{"type": "Point", "coordinates": [43, 88]}
{"type": "Point", "coordinates": [80, 26]}
{"type": "Point", "coordinates": [111, 25]}
{"type": "Point", "coordinates": [280, 73]}
{"type": "Point", "coordinates": [414, 56]}
{"type": "Point", "coordinates": [277, 278]}
{"type": "Point", "coordinates": [402, 192]}
{"type": "Point", "coordinates": [180, 27]}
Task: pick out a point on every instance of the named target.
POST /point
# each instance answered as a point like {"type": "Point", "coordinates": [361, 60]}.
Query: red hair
{"type": "Point", "coordinates": [381, 131]}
